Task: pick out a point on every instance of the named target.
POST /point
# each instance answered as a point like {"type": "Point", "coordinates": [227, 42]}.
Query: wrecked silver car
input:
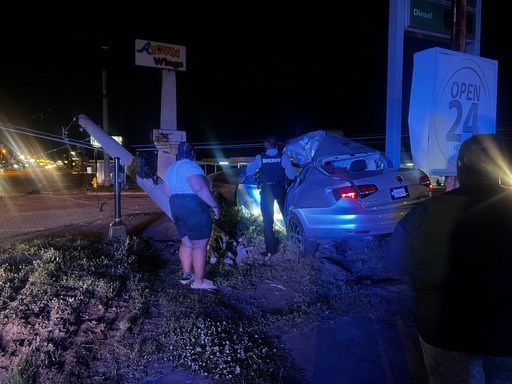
{"type": "Point", "coordinates": [345, 189]}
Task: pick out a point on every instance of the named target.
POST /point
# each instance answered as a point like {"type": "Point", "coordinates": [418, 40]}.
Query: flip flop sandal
{"type": "Point", "coordinates": [187, 278]}
{"type": "Point", "coordinates": [207, 284]}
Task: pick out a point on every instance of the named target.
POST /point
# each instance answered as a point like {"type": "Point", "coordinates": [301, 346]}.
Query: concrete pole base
{"type": "Point", "coordinates": [117, 229]}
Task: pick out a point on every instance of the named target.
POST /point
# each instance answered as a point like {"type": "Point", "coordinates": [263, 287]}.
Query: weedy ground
{"type": "Point", "coordinates": [82, 310]}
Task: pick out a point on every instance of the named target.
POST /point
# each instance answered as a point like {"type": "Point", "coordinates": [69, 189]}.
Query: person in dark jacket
{"type": "Point", "coordinates": [456, 250]}
{"type": "Point", "coordinates": [274, 170]}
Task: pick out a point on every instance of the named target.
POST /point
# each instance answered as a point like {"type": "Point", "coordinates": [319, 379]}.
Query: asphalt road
{"type": "Point", "coordinates": [65, 204]}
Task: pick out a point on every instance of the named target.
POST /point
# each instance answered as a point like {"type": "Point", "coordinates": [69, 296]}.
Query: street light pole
{"type": "Point", "coordinates": [458, 34]}
{"type": "Point", "coordinates": [106, 157]}
{"type": "Point", "coordinates": [458, 43]}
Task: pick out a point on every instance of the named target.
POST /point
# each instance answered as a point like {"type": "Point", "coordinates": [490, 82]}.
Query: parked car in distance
{"type": "Point", "coordinates": [343, 190]}
{"type": "Point", "coordinates": [231, 186]}
{"type": "Point", "coordinates": [224, 184]}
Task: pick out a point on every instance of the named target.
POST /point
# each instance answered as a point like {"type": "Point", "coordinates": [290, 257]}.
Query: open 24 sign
{"type": "Point", "coordinates": [463, 107]}
{"type": "Point", "coordinates": [453, 96]}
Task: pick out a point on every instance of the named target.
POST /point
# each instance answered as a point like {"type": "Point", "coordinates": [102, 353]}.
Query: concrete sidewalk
{"type": "Point", "coordinates": [363, 350]}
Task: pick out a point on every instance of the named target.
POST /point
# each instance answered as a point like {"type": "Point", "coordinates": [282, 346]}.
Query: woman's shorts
{"type": "Point", "coordinates": [191, 216]}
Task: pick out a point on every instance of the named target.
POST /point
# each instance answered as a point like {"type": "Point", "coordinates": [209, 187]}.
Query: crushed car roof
{"type": "Point", "coordinates": [315, 145]}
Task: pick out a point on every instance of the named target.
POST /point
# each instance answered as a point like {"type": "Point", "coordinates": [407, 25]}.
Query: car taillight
{"type": "Point", "coordinates": [350, 192]}
{"type": "Point", "coordinates": [425, 181]}
{"type": "Point", "coordinates": [344, 193]}
{"type": "Point", "coordinates": [367, 189]}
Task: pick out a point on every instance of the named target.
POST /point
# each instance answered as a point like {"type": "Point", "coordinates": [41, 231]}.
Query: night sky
{"type": "Point", "coordinates": [250, 73]}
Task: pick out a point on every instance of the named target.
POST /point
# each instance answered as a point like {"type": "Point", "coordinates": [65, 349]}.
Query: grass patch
{"type": "Point", "coordinates": [84, 310]}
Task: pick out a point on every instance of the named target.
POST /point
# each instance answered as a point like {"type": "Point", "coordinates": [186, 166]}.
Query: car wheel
{"type": "Point", "coordinates": [297, 238]}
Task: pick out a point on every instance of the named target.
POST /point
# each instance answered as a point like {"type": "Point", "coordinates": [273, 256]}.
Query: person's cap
{"type": "Point", "coordinates": [185, 151]}
{"type": "Point", "coordinates": [271, 141]}
{"type": "Point", "coordinates": [482, 158]}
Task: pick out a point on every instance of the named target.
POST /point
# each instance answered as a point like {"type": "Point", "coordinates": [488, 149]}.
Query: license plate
{"type": "Point", "coordinates": [399, 192]}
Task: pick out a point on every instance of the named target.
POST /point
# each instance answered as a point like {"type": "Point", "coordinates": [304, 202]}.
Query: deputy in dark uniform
{"type": "Point", "coordinates": [274, 169]}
